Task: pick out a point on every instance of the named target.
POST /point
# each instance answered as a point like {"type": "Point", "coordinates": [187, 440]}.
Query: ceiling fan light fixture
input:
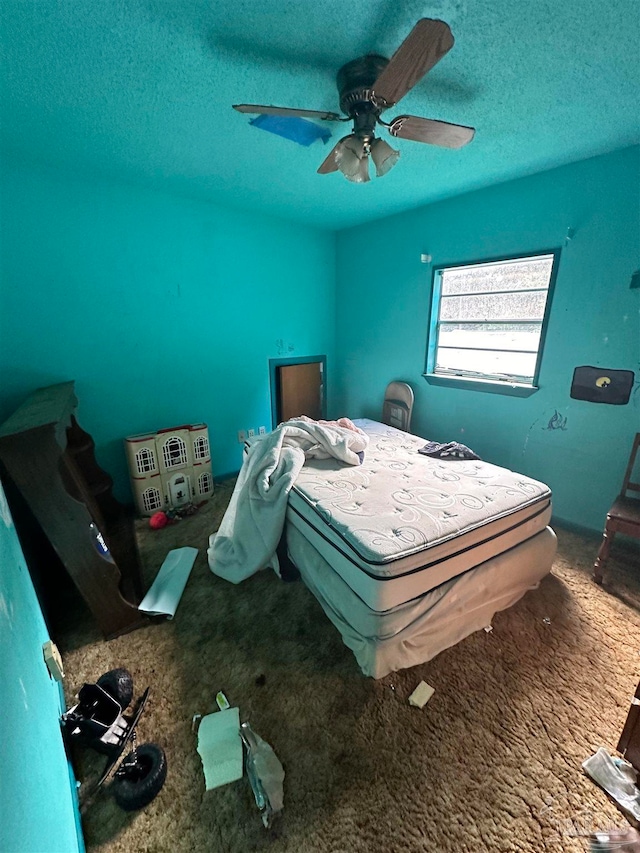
{"type": "Point", "coordinates": [368, 86]}
{"type": "Point", "coordinates": [352, 160]}
{"type": "Point", "coordinates": [384, 156]}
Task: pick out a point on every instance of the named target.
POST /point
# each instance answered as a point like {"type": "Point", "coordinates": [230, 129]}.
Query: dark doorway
{"type": "Point", "coordinates": [297, 388]}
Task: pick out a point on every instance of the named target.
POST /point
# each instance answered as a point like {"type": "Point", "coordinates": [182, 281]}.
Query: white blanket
{"type": "Point", "coordinates": [248, 536]}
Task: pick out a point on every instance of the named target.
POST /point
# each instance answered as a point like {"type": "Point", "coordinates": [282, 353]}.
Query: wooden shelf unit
{"type": "Point", "coordinates": [50, 461]}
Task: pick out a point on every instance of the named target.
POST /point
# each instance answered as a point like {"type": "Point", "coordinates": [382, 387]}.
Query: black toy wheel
{"type": "Point", "coordinates": [118, 683]}
{"type": "Point", "coordinates": [140, 777]}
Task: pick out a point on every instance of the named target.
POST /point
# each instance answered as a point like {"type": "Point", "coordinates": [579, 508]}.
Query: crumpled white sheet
{"type": "Point", "coordinates": [249, 533]}
{"type": "Point", "coordinates": [617, 777]}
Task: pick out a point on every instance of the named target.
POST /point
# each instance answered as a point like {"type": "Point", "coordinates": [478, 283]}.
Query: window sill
{"type": "Point", "coordinates": [512, 389]}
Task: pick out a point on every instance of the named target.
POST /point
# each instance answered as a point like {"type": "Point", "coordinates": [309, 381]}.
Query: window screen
{"type": "Point", "coordinates": [488, 319]}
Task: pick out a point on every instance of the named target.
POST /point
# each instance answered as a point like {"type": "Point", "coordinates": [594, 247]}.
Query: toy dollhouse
{"type": "Point", "coordinates": [170, 468]}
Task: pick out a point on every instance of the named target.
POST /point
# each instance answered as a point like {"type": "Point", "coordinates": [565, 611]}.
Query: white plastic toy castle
{"type": "Point", "coordinates": [170, 468]}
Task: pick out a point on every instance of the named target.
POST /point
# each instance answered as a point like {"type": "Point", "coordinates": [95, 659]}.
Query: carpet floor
{"type": "Point", "coordinates": [492, 763]}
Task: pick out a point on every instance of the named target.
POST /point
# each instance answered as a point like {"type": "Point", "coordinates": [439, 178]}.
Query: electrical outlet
{"type": "Point", "coordinates": [252, 433]}
{"type": "Point", "coordinates": [242, 436]}
{"type": "Point", "coordinates": [262, 430]}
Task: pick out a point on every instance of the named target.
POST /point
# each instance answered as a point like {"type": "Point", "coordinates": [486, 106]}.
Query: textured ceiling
{"type": "Point", "coordinates": [141, 90]}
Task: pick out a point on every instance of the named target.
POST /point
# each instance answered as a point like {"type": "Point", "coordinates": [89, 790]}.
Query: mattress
{"type": "Point", "coordinates": [402, 524]}
{"type": "Point", "coordinates": [419, 630]}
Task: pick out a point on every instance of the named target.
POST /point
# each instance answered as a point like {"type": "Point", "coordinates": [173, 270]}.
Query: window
{"type": "Point", "coordinates": [201, 447]}
{"type": "Point", "coordinates": [145, 461]}
{"type": "Point", "coordinates": [205, 483]}
{"type": "Point", "coordinates": [151, 499]}
{"type": "Point", "coordinates": [174, 452]}
{"type": "Point", "coordinates": [488, 319]}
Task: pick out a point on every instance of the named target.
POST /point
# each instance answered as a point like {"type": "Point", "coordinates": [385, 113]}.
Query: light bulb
{"type": "Point", "coordinates": [352, 159]}
{"type": "Point", "coordinates": [384, 156]}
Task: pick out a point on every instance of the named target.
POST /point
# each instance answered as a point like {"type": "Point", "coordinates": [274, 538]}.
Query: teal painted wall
{"type": "Point", "coordinates": [383, 296]}
{"type": "Point", "coordinates": [165, 310]}
{"type": "Point", "coordinates": [38, 807]}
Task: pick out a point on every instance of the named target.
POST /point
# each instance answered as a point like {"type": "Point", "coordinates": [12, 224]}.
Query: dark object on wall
{"type": "Point", "coordinates": [50, 461]}
{"type": "Point", "coordinates": [600, 385]}
{"type": "Point", "coordinates": [635, 280]}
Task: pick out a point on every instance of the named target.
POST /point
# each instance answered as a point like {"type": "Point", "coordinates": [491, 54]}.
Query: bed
{"type": "Point", "coordinates": [408, 554]}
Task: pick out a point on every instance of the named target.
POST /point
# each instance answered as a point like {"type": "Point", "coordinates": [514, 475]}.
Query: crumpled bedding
{"type": "Point", "coordinates": [450, 450]}
{"type": "Point", "coordinates": [251, 528]}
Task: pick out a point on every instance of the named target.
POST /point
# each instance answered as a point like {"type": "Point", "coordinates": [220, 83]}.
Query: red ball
{"type": "Point", "coordinates": [158, 520]}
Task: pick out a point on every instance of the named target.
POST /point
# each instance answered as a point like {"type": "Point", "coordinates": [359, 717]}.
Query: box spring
{"type": "Point", "coordinates": [418, 630]}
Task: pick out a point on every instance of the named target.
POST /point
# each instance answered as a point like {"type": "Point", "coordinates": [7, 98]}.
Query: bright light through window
{"type": "Point", "coordinates": [487, 320]}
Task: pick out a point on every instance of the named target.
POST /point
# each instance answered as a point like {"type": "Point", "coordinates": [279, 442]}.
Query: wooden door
{"type": "Point", "coordinates": [300, 391]}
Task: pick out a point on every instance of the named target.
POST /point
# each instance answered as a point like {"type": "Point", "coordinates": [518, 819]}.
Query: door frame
{"type": "Point", "coordinates": [275, 363]}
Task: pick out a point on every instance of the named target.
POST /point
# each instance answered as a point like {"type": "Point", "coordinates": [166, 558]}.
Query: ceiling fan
{"type": "Point", "coordinates": [371, 84]}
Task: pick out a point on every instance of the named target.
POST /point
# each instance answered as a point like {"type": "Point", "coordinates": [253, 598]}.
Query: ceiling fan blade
{"type": "Point", "coordinates": [425, 45]}
{"type": "Point", "coordinates": [330, 164]}
{"type": "Point", "coordinates": [429, 130]}
{"type": "Point", "coordinates": [288, 111]}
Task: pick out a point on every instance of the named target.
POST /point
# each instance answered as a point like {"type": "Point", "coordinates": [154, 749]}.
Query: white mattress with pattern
{"type": "Point", "coordinates": [403, 523]}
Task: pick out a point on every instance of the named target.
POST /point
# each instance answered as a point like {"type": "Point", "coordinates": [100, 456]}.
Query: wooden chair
{"type": "Point", "coordinates": [398, 406]}
{"type": "Point", "coordinates": [629, 743]}
{"type": "Point", "coordinates": [624, 515]}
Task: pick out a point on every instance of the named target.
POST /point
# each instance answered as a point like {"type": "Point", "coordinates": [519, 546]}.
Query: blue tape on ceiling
{"type": "Point", "coordinates": [297, 129]}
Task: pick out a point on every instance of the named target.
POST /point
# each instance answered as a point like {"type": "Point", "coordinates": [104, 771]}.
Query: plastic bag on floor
{"type": "Point", "coordinates": [265, 773]}
{"type": "Point", "coordinates": [620, 840]}
{"type": "Point", "coordinates": [617, 777]}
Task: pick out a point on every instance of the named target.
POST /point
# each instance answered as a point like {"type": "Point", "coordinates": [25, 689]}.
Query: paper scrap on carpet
{"type": "Point", "coordinates": [220, 747]}
{"type": "Point", "coordinates": [421, 695]}
{"type": "Point", "coordinates": [166, 590]}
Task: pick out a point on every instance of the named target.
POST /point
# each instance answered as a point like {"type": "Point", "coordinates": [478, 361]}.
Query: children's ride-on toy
{"type": "Point", "coordinates": [98, 722]}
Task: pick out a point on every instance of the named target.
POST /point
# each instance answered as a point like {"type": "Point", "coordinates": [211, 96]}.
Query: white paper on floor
{"type": "Point", "coordinates": [166, 590]}
{"type": "Point", "coordinates": [421, 695]}
{"type": "Point", "coordinates": [220, 747]}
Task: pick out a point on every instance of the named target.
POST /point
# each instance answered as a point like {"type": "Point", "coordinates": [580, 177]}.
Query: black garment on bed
{"type": "Point", "coordinates": [450, 450]}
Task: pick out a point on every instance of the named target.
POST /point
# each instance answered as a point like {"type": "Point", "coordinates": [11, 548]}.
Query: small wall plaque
{"type": "Point", "coordinates": [601, 385]}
